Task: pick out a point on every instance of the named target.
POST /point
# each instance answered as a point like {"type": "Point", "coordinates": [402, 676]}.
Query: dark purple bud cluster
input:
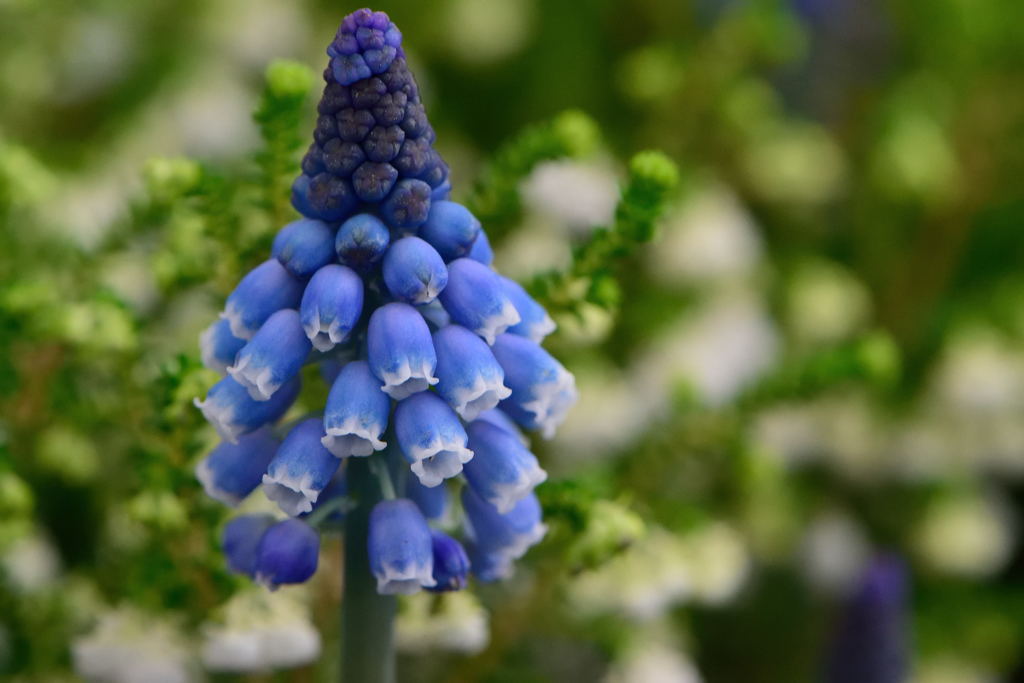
{"type": "Point", "coordinates": [373, 146]}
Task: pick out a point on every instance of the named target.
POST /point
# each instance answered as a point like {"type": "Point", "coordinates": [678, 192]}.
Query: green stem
{"type": "Point", "coordinates": [368, 647]}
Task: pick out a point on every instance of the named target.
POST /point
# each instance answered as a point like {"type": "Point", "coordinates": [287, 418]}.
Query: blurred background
{"type": "Point", "coordinates": [802, 401]}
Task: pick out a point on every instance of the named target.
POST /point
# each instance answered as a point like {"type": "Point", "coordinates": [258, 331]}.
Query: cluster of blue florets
{"type": "Point", "coordinates": [432, 356]}
{"type": "Point", "coordinates": [372, 144]}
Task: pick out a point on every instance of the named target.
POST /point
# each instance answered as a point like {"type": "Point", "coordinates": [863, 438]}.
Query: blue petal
{"type": "Point", "coordinates": [273, 356]}
{"type": "Point", "coordinates": [500, 419]}
{"type": "Point", "coordinates": [400, 547]}
{"type": "Point", "coordinates": [413, 271]}
{"type": "Point", "coordinates": [400, 351]}
{"type": "Point", "coordinates": [232, 470]}
{"type": "Point", "coordinates": [511, 533]}
{"type": "Point", "coordinates": [481, 250]}
{"type": "Point", "coordinates": [408, 204]}
{"type": "Point", "coordinates": [431, 500]}
{"type": "Point", "coordinates": [301, 469]}
{"type": "Point", "coordinates": [502, 470]}
{"type": "Point", "coordinates": [542, 390]}
{"type": "Point", "coordinates": [265, 290]}
{"type": "Point", "coordinates": [240, 541]}
{"type": "Point", "coordinates": [361, 242]}
{"type": "Point", "coordinates": [323, 196]}
{"type": "Point", "coordinates": [356, 414]}
{"type": "Point", "coordinates": [451, 229]}
{"type": "Point", "coordinates": [230, 409]}
{"type": "Point", "coordinates": [337, 488]}
{"type": "Point", "coordinates": [288, 553]}
{"type": "Point", "coordinates": [451, 564]}
{"type": "Point", "coordinates": [304, 246]}
{"type": "Point", "coordinates": [469, 377]}
{"type": "Point", "coordinates": [475, 299]}
{"type": "Point", "coordinates": [331, 306]}
{"type": "Point", "coordinates": [489, 566]}
{"type": "Point", "coordinates": [431, 437]}
{"type": "Point", "coordinates": [218, 346]}
{"type": "Point", "coordinates": [534, 323]}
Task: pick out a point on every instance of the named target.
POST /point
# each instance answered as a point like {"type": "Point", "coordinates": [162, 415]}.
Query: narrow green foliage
{"type": "Point", "coordinates": [590, 279]}
{"type": "Point", "coordinates": [495, 197]}
{"type": "Point", "coordinates": [280, 117]}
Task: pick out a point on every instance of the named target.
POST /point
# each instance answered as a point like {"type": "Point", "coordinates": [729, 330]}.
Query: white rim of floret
{"type": "Point", "coordinates": [325, 337]}
{"type": "Point", "coordinates": [485, 394]}
{"type": "Point", "coordinates": [493, 325]}
{"type": "Point", "coordinates": [207, 477]}
{"type": "Point", "coordinates": [354, 438]}
{"type": "Point", "coordinates": [294, 495]}
{"type": "Point", "coordinates": [552, 401]}
{"type": "Point", "coordinates": [442, 459]}
{"type": "Point", "coordinates": [407, 381]}
{"type": "Point", "coordinates": [504, 496]}
{"type": "Point", "coordinates": [520, 544]}
{"type": "Point", "coordinates": [235, 322]}
{"type": "Point", "coordinates": [259, 382]}
{"type": "Point", "coordinates": [396, 582]}
{"type": "Point", "coordinates": [208, 350]}
{"type": "Point", "coordinates": [221, 417]}
{"type": "Point", "coordinates": [542, 328]}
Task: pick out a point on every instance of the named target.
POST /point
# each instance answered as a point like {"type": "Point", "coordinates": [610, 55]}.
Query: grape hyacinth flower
{"type": "Point", "coordinates": [433, 359]}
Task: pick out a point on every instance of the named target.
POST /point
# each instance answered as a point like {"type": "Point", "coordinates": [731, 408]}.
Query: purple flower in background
{"type": "Point", "coordinates": [870, 642]}
{"type": "Point", "coordinates": [433, 358]}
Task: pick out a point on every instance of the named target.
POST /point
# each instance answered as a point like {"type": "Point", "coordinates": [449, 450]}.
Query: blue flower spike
{"type": "Point", "coordinates": [451, 229]}
{"type": "Point", "coordinates": [233, 412]}
{"type": "Point", "coordinates": [267, 288]}
{"type": "Point", "coordinates": [400, 548]}
{"type": "Point", "coordinates": [273, 356]}
{"type": "Point", "coordinates": [331, 306]}
{"type": "Point", "coordinates": [413, 271]}
{"type": "Point", "coordinates": [300, 470]}
{"type": "Point", "coordinates": [240, 541]}
{"type": "Point", "coordinates": [233, 470]}
{"type": "Point", "coordinates": [469, 377]}
{"type": "Point", "coordinates": [475, 299]}
{"type": "Point", "coordinates": [431, 437]}
{"type": "Point", "coordinates": [400, 350]}
{"type": "Point", "coordinates": [502, 470]}
{"type": "Point", "coordinates": [361, 242]}
{"type": "Point", "coordinates": [304, 246]}
{"type": "Point", "coordinates": [387, 286]}
{"type": "Point", "coordinates": [218, 347]}
{"type": "Point", "coordinates": [451, 564]}
{"type": "Point", "coordinates": [356, 414]}
{"type": "Point", "coordinates": [288, 553]}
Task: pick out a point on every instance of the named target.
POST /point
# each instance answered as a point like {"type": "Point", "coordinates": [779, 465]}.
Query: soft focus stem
{"type": "Point", "coordinates": [368, 647]}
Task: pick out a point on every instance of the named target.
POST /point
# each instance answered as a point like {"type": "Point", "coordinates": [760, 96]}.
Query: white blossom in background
{"type": "Point", "coordinates": [833, 552]}
{"type": "Point", "coordinates": [607, 416]}
{"type": "Point", "coordinates": [718, 563]}
{"type": "Point", "coordinates": [951, 669]}
{"type": "Point", "coordinates": [654, 662]}
{"type": "Point", "coordinates": [790, 432]}
{"type": "Point", "coordinates": [712, 238]}
{"type": "Point", "coordinates": [31, 563]}
{"type": "Point", "coordinates": [533, 249]}
{"type": "Point", "coordinates": [718, 351]}
{"type": "Point", "coordinates": [486, 31]}
{"type": "Point", "coordinates": [979, 374]}
{"type": "Point", "coordinates": [260, 631]}
{"type": "Point", "coordinates": [579, 194]}
{"type": "Point", "coordinates": [128, 646]}
{"type": "Point", "coordinates": [825, 303]}
{"type": "Point", "coordinates": [451, 622]}
{"type": "Point", "coordinates": [970, 536]}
